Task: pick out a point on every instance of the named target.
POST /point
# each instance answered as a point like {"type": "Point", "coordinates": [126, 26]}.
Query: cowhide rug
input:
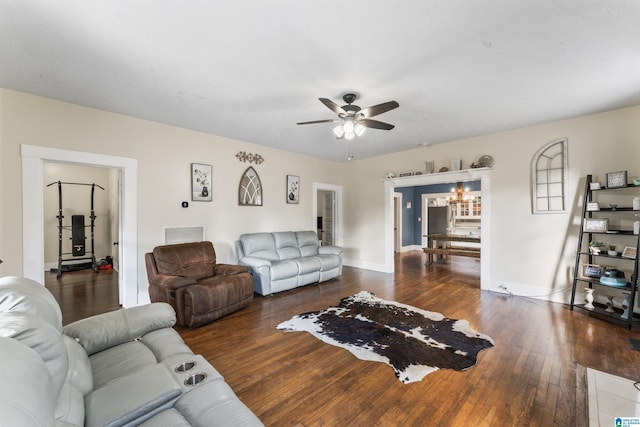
{"type": "Point", "coordinates": [412, 341]}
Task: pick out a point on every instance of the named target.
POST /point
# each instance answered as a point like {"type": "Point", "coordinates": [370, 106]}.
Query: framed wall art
{"type": "Point", "coordinates": [293, 189]}
{"type": "Point", "coordinates": [617, 179]}
{"type": "Point", "coordinates": [250, 188]}
{"type": "Point", "coordinates": [201, 182]}
{"type": "Point", "coordinates": [629, 252]}
{"type": "Point", "coordinates": [596, 225]}
{"type": "Point", "coordinates": [549, 178]}
{"type": "Point", "coordinates": [590, 271]}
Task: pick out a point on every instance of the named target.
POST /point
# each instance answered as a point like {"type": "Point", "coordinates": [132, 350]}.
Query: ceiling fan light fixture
{"type": "Point", "coordinates": [348, 125]}
{"type": "Point", "coordinates": [353, 119]}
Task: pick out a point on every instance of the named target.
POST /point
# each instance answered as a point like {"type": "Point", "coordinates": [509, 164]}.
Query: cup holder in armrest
{"type": "Point", "coordinates": [195, 379]}
{"type": "Point", "coordinates": [185, 366]}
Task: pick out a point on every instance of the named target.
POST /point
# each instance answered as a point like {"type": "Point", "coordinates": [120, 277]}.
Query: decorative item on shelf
{"type": "Point", "coordinates": [636, 182]}
{"type": "Point", "coordinates": [293, 189]}
{"type": "Point", "coordinates": [636, 227]}
{"type": "Point", "coordinates": [429, 166]}
{"type": "Point", "coordinates": [595, 247]}
{"type": "Point", "coordinates": [596, 225]}
{"type": "Point", "coordinates": [613, 277]}
{"type": "Point", "coordinates": [403, 174]}
{"type": "Point", "coordinates": [443, 169]}
{"type": "Point", "coordinates": [484, 161]}
{"type": "Point", "coordinates": [589, 299]}
{"type": "Point", "coordinates": [629, 252]}
{"type": "Point", "coordinates": [612, 250]}
{"type": "Point", "coordinates": [593, 206]}
{"type": "Point", "coordinates": [201, 182]}
{"type": "Point", "coordinates": [390, 175]}
{"type": "Point", "coordinates": [590, 271]}
{"type": "Point", "coordinates": [613, 206]}
{"type": "Point", "coordinates": [456, 165]}
{"type": "Point", "coordinates": [610, 308]}
{"type": "Point", "coordinates": [249, 157]}
{"type": "Point", "coordinates": [594, 186]}
{"type": "Point", "coordinates": [626, 304]}
{"type": "Point", "coordinates": [617, 179]}
{"type": "Point", "coordinates": [636, 204]}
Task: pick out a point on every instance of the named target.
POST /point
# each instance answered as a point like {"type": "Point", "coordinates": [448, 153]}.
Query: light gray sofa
{"type": "Point", "coordinates": [284, 260]}
{"type": "Point", "coordinates": [122, 368]}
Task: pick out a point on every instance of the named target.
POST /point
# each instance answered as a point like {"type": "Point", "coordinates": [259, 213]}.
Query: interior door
{"type": "Point", "coordinates": [328, 214]}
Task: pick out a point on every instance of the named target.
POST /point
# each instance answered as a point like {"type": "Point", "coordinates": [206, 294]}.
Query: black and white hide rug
{"type": "Point", "coordinates": [412, 341]}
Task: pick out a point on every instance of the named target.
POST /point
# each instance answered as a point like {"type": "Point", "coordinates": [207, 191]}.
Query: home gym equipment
{"type": "Point", "coordinates": [78, 237]}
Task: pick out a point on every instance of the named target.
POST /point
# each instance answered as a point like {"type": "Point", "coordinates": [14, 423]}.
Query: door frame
{"type": "Point", "coordinates": [33, 158]}
{"type": "Point", "coordinates": [337, 220]}
{"type": "Point", "coordinates": [482, 174]}
{"type": "Point", "coordinates": [397, 222]}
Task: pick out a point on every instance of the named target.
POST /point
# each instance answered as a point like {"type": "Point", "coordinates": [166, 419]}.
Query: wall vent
{"type": "Point", "coordinates": [173, 235]}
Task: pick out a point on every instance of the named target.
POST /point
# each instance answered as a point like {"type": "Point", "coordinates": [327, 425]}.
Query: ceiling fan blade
{"type": "Point", "coordinates": [375, 124]}
{"type": "Point", "coordinates": [333, 106]}
{"type": "Point", "coordinates": [379, 109]}
{"type": "Point", "coordinates": [320, 121]}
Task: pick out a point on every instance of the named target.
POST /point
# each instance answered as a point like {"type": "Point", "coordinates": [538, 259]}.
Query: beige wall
{"type": "Point", "coordinates": [530, 254]}
{"type": "Point", "coordinates": [164, 154]}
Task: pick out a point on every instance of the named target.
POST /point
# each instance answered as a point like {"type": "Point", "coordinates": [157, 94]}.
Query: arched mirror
{"type": "Point", "coordinates": [250, 189]}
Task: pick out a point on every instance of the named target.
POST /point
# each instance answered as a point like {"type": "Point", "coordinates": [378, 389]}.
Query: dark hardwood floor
{"type": "Point", "coordinates": [535, 374]}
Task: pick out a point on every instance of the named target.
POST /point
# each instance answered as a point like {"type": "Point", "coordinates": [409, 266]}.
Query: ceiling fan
{"type": "Point", "coordinates": [353, 119]}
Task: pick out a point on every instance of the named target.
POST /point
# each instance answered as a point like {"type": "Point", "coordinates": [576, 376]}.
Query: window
{"type": "Point", "coordinates": [549, 177]}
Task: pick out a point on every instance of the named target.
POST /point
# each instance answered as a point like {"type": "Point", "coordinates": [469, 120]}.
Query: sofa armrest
{"type": "Point", "coordinates": [171, 282]}
{"type": "Point", "coordinates": [255, 262]}
{"type": "Point", "coordinates": [107, 330]}
{"type": "Point", "coordinates": [130, 399]}
{"type": "Point", "coordinates": [230, 269]}
{"type": "Point", "coordinates": [27, 395]}
{"type": "Point", "coordinates": [329, 250]}
{"type": "Point", "coordinates": [215, 403]}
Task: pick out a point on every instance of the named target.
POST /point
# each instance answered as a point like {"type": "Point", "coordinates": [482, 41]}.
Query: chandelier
{"type": "Point", "coordinates": [459, 194]}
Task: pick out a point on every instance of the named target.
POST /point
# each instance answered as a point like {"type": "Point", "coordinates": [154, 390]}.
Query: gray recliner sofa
{"type": "Point", "coordinates": [284, 260]}
{"type": "Point", "coordinates": [123, 368]}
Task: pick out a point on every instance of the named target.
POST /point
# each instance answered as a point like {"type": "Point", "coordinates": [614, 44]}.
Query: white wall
{"type": "Point", "coordinates": [530, 254]}
{"type": "Point", "coordinates": [76, 200]}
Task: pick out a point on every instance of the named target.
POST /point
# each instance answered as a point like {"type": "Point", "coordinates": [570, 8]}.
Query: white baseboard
{"type": "Point", "coordinates": [411, 248]}
{"type": "Point", "coordinates": [365, 265]}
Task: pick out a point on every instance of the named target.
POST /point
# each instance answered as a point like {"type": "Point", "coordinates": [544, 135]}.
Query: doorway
{"type": "Point", "coordinates": [33, 158]}
{"type": "Point", "coordinates": [327, 213]}
{"type": "Point", "coordinates": [481, 174]}
{"type": "Point", "coordinates": [79, 192]}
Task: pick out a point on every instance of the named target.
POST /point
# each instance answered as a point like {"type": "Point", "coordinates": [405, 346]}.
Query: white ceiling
{"type": "Point", "coordinates": [250, 70]}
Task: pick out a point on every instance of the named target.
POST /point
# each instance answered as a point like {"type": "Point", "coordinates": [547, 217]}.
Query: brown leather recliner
{"type": "Point", "coordinates": [187, 277]}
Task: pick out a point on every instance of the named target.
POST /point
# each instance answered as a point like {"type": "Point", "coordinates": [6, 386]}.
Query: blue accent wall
{"type": "Point", "coordinates": [411, 227]}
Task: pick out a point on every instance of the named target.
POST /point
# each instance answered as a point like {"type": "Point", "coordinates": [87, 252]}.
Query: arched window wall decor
{"type": "Point", "coordinates": [250, 188]}
{"type": "Point", "coordinates": [549, 178]}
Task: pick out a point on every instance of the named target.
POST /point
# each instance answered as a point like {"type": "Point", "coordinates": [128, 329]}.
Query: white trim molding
{"type": "Point", "coordinates": [481, 174]}
{"type": "Point", "coordinates": [33, 158]}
